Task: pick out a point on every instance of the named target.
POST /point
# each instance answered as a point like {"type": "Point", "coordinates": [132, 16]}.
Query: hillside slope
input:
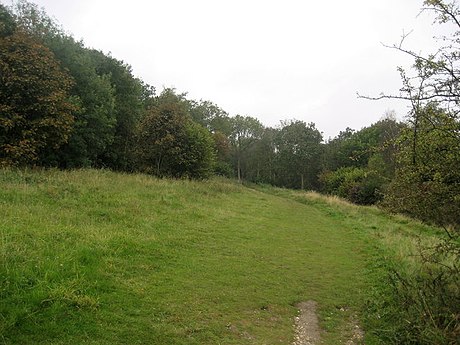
{"type": "Point", "coordinates": [95, 257]}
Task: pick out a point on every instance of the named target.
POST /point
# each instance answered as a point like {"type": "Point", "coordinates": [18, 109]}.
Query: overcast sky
{"type": "Point", "coordinates": [272, 60]}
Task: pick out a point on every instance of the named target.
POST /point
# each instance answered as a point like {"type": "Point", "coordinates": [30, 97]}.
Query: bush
{"type": "Point", "coordinates": [223, 169]}
{"type": "Point", "coordinates": [422, 305]}
{"type": "Point", "coordinates": [357, 185]}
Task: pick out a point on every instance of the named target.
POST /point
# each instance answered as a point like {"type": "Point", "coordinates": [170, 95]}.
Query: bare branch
{"type": "Point", "coordinates": [444, 11]}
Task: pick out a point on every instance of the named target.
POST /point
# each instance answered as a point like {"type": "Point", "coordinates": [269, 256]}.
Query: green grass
{"type": "Point", "coordinates": [95, 257]}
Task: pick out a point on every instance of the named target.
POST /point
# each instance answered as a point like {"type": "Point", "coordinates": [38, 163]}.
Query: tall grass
{"type": "Point", "coordinates": [416, 271]}
{"type": "Point", "coordinates": [95, 257]}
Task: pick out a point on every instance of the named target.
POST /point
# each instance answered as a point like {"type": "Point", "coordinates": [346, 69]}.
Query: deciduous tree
{"type": "Point", "coordinates": [245, 131]}
{"type": "Point", "coordinates": [298, 150]}
{"type": "Point", "coordinates": [429, 188]}
{"type": "Point", "coordinates": [35, 107]}
{"type": "Point", "coordinates": [171, 144]}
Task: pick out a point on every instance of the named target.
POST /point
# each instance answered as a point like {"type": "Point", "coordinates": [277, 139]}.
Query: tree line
{"type": "Point", "coordinates": [67, 106]}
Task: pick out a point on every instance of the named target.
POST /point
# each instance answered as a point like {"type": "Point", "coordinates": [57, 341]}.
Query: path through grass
{"type": "Point", "coordinates": [94, 257]}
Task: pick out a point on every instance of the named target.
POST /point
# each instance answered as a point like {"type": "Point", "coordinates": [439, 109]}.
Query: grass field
{"type": "Point", "coordinates": [95, 257]}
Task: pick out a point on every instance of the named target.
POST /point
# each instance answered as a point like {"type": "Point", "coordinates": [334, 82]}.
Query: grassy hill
{"type": "Point", "coordinates": [95, 257]}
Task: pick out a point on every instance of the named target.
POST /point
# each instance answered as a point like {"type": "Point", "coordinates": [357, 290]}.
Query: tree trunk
{"type": "Point", "coordinates": [301, 182]}
{"type": "Point", "coordinates": [414, 141]}
{"type": "Point", "coordinates": [239, 169]}
{"type": "Point", "coordinates": [158, 165]}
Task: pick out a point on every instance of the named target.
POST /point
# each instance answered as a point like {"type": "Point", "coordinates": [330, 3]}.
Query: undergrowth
{"type": "Point", "coordinates": [415, 298]}
{"type": "Point", "coordinates": [420, 304]}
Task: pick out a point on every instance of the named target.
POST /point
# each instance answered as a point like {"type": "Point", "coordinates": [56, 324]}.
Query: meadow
{"type": "Point", "coordinates": [97, 257]}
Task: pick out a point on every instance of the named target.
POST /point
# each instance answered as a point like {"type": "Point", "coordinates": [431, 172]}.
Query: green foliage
{"type": "Point", "coordinates": [356, 149]}
{"type": "Point", "coordinates": [426, 186]}
{"type": "Point", "coordinates": [111, 99]}
{"type": "Point", "coordinates": [261, 167]}
{"type": "Point", "coordinates": [200, 153]}
{"type": "Point", "coordinates": [7, 23]}
{"type": "Point", "coordinates": [171, 144]}
{"type": "Point", "coordinates": [426, 297]}
{"type": "Point", "coordinates": [34, 20]}
{"type": "Point", "coordinates": [245, 132]}
{"type": "Point", "coordinates": [36, 112]}
{"type": "Point", "coordinates": [337, 152]}
{"type": "Point", "coordinates": [95, 123]}
{"type": "Point", "coordinates": [427, 183]}
{"type": "Point", "coordinates": [298, 150]}
{"type": "Point", "coordinates": [130, 96]}
{"type": "Point", "coordinates": [357, 185]}
{"type": "Point", "coordinates": [222, 144]}
{"type": "Point", "coordinates": [359, 165]}
{"type": "Point", "coordinates": [210, 116]}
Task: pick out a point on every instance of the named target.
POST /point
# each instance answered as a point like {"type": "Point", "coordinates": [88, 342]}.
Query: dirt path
{"type": "Point", "coordinates": [357, 333]}
{"type": "Point", "coordinates": [307, 328]}
{"type": "Point", "coordinates": [308, 331]}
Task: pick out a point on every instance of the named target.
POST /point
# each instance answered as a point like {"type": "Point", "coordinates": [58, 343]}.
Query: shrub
{"type": "Point", "coordinates": [422, 304]}
{"type": "Point", "coordinates": [357, 185]}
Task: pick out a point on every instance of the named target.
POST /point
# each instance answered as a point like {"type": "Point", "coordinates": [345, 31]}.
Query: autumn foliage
{"type": "Point", "coordinates": [36, 110]}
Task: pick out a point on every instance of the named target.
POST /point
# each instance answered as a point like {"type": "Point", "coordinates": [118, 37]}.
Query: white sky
{"type": "Point", "coordinates": [270, 59]}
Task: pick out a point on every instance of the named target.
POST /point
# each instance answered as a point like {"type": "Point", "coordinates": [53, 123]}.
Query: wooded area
{"type": "Point", "coordinates": [67, 106]}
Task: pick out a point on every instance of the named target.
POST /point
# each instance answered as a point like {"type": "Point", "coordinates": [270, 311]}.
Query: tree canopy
{"type": "Point", "coordinates": [37, 111]}
{"type": "Point", "coordinates": [170, 143]}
